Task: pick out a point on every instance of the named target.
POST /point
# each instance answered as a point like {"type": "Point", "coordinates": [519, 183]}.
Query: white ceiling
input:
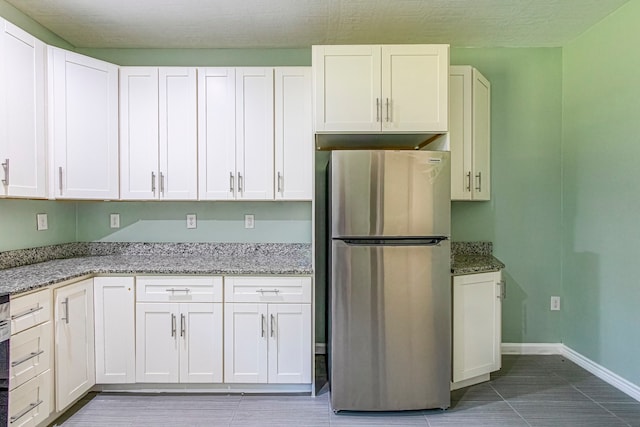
{"type": "Point", "coordinates": [301, 23]}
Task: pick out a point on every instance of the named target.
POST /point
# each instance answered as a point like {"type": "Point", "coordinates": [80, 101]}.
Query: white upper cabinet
{"type": "Point", "coordinates": [83, 126]}
{"type": "Point", "coordinates": [216, 133]}
{"type": "Point", "coordinates": [388, 88]}
{"type": "Point", "coordinates": [236, 133]}
{"type": "Point", "coordinates": [22, 113]}
{"type": "Point", "coordinates": [470, 134]}
{"type": "Point", "coordinates": [293, 134]}
{"type": "Point", "coordinates": [158, 133]}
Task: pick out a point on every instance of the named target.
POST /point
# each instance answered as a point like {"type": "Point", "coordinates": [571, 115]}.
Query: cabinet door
{"type": "Point", "coordinates": [83, 120]}
{"type": "Point", "coordinates": [217, 133]}
{"type": "Point", "coordinates": [178, 129]}
{"type": "Point", "coordinates": [157, 332]}
{"type": "Point", "coordinates": [139, 176]}
{"type": "Point", "coordinates": [481, 137]}
{"type": "Point", "coordinates": [74, 351]}
{"type": "Point", "coordinates": [477, 312]}
{"type": "Point", "coordinates": [289, 343]}
{"type": "Point", "coordinates": [347, 88]}
{"type": "Point", "coordinates": [200, 343]}
{"type": "Point", "coordinates": [254, 133]}
{"type": "Point", "coordinates": [293, 134]}
{"type": "Point", "coordinates": [460, 132]}
{"type": "Point", "coordinates": [245, 343]}
{"type": "Point", "coordinates": [114, 330]}
{"type": "Point", "coordinates": [22, 113]}
{"type": "Point", "coordinates": [415, 88]}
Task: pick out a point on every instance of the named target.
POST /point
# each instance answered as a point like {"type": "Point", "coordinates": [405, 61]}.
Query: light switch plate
{"type": "Point", "coordinates": [42, 222]}
{"type": "Point", "coordinates": [192, 221]}
{"type": "Point", "coordinates": [114, 220]}
{"type": "Point", "coordinates": [249, 221]}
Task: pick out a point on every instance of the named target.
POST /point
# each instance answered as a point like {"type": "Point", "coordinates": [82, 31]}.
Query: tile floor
{"type": "Point", "coordinates": [528, 391]}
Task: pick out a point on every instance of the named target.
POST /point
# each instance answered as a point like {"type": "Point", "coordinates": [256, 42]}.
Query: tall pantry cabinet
{"type": "Point", "coordinates": [22, 113]}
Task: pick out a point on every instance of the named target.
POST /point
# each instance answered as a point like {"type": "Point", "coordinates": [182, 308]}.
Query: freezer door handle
{"type": "Point", "coordinates": [392, 241]}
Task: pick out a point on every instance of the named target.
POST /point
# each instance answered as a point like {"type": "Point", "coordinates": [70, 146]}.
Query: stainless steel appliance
{"type": "Point", "coordinates": [390, 321]}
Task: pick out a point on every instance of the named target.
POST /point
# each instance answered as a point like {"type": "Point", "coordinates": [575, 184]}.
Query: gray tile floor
{"type": "Point", "coordinates": [528, 391]}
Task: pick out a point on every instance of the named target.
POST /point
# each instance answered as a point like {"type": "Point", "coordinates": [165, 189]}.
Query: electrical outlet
{"type": "Point", "coordinates": [42, 222]}
{"type": "Point", "coordinates": [249, 221]}
{"type": "Point", "coordinates": [192, 221]}
{"type": "Point", "coordinates": [114, 220]}
{"type": "Point", "coordinates": [555, 303]}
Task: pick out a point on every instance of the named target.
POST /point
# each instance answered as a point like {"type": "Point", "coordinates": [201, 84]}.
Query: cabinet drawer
{"type": "Point", "coordinates": [267, 289]}
{"type": "Point", "coordinates": [30, 403]}
{"type": "Point", "coordinates": [179, 289]}
{"type": "Point", "coordinates": [30, 310]}
{"type": "Point", "coordinates": [30, 354]}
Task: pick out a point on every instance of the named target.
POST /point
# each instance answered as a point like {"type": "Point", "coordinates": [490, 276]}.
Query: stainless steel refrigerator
{"type": "Point", "coordinates": [390, 293]}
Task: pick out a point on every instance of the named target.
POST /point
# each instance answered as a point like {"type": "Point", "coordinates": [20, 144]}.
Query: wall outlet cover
{"type": "Point", "coordinates": [555, 303]}
{"type": "Point", "coordinates": [114, 220]}
{"type": "Point", "coordinates": [192, 221]}
{"type": "Point", "coordinates": [249, 221]}
{"type": "Point", "coordinates": [42, 222]}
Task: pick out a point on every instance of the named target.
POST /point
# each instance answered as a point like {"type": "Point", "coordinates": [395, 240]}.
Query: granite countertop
{"type": "Point", "coordinates": [224, 259]}
{"type": "Point", "coordinates": [473, 257]}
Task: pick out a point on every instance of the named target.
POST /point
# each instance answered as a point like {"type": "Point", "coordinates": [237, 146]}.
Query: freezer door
{"type": "Point", "coordinates": [390, 327]}
{"type": "Point", "coordinates": [390, 193]}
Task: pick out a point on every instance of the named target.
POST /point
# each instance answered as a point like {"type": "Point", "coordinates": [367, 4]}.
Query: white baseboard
{"type": "Point", "coordinates": [321, 348]}
{"type": "Point", "coordinates": [532, 348]}
{"type": "Point", "coordinates": [603, 373]}
{"type": "Point", "coordinates": [589, 365]}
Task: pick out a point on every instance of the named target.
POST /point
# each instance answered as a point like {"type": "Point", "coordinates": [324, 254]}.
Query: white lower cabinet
{"type": "Point", "coordinates": [179, 329]}
{"type": "Point", "coordinates": [31, 359]}
{"type": "Point", "coordinates": [268, 330]}
{"type": "Point", "coordinates": [477, 311]}
{"type": "Point", "coordinates": [114, 303]}
{"type": "Point", "coordinates": [74, 342]}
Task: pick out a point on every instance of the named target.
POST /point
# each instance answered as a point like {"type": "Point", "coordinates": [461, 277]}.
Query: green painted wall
{"type": "Point", "coordinates": [601, 196]}
{"type": "Point", "coordinates": [284, 222]}
{"type": "Point", "coordinates": [523, 217]}
{"type": "Point", "coordinates": [18, 223]}
{"type": "Point", "coordinates": [16, 17]}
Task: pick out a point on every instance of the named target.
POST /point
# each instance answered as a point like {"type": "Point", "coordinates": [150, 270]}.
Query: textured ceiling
{"type": "Point", "coordinates": [301, 23]}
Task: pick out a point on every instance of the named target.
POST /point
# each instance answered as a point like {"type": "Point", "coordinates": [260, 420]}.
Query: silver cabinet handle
{"type": "Point", "coordinates": [469, 181]}
{"type": "Point", "coordinates": [60, 179]}
{"type": "Point", "coordinates": [387, 104]}
{"type": "Point", "coordinates": [272, 328]}
{"type": "Point", "coordinates": [479, 176]}
{"type": "Point", "coordinates": [279, 182]}
{"type": "Point", "coordinates": [377, 109]}
{"type": "Point", "coordinates": [66, 310]}
{"type": "Point", "coordinates": [183, 328]}
{"type": "Point", "coordinates": [173, 290]}
{"type": "Point", "coordinates": [26, 313]}
{"type": "Point", "coordinates": [161, 183]}
{"type": "Point", "coordinates": [5, 166]}
{"type": "Point", "coordinates": [262, 325]}
{"type": "Point", "coordinates": [153, 183]}
{"type": "Point", "coordinates": [240, 182]}
{"type": "Point", "coordinates": [26, 358]}
{"type": "Point", "coordinates": [25, 411]}
{"type": "Point", "coordinates": [230, 182]}
{"type": "Point", "coordinates": [173, 325]}
{"type": "Point", "coordinates": [262, 291]}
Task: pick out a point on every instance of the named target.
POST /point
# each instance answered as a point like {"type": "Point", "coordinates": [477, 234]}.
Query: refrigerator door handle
{"type": "Point", "coordinates": [392, 241]}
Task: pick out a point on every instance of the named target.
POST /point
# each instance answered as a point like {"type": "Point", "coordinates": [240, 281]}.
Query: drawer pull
{"type": "Point", "coordinates": [173, 290]}
{"type": "Point", "coordinates": [24, 359]}
{"type": "Point", "coordinates": [262, 291]}
{"type": "Point", "coordinates": [26, 313]}
{"type": "Point", "coordinates": [25, 411]}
